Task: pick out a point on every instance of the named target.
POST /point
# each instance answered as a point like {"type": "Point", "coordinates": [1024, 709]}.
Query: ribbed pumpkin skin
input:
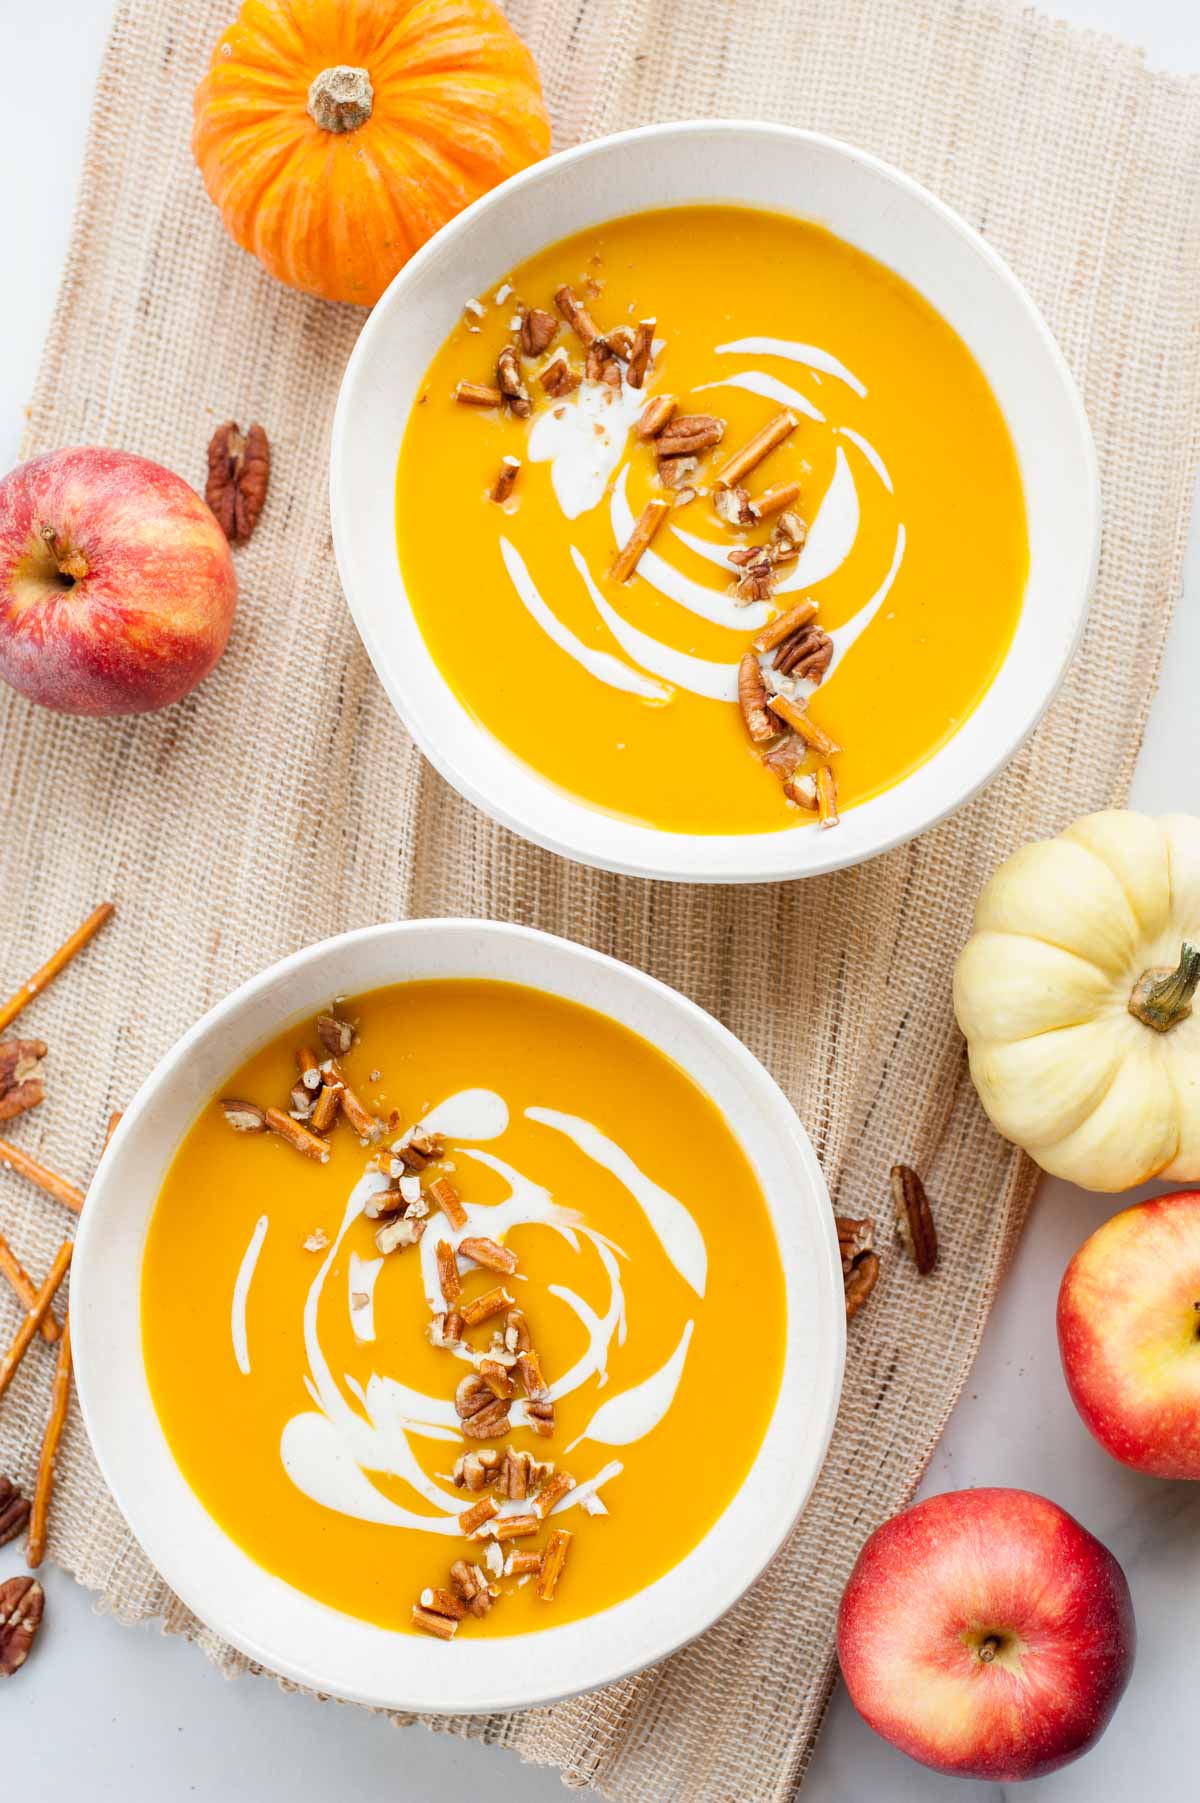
{"type": "Point", "coordinates": [457, 108]}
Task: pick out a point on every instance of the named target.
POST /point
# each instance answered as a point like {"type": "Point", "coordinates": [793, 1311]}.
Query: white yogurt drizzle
{"type": "Point", "coordinates": [831, 539]}
{"type": "Point", "coordinates": [697, 674]}
{"type": "Point", "coordinates": [636, 1412]}
{"type": "Point", "coordinates": [600, 664]}
{"type": "Point", "coordinates": [870, 453]}
{"type": "Point", "coordinates": [328, 1451]}
{"type": "Point", "coordinates": [809, 354]}
{"type": "Point", "coordinates": [757, 381]}
{"type": "Point", "coordinates": [583, 440]}
{"type": "Point", "coordinates": [241, 1290]}
{"type": "Point", "coordinates": [361, 1280]}
{"type": "Point", "coordinates": [708, 603]}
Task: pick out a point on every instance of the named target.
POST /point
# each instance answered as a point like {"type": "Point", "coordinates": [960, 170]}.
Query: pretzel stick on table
{"type": "Point", "coordinates": [36, 1545]}
{"type": "Point", "coordinates": [33, 1319]}
{"type": "Point", "coordinates": [58, 961]}
{"type": "Point", "coordinates": [23, 1284]}
{"type": "Point", "coordinates": [13, 1159]}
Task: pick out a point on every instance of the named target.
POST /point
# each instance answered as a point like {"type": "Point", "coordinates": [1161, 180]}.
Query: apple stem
{"type": "Point", "coordinates": [1162, 997]}
{"type": "Point", "coordinates": [73, 567]}
{"type": "Point", "coordinates": [989, 1648]}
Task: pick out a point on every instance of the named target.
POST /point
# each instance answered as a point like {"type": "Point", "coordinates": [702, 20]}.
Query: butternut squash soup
{"type": "Point", "coordinates": [712, 520]}
{"type": "Point", "coordinates": [462, 1309]}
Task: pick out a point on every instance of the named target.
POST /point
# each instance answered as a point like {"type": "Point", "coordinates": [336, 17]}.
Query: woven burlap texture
{"type": "Point", "coordinates": [283, 801]}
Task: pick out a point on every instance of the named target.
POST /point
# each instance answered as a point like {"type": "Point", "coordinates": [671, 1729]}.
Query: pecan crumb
{"type": "Point", "coordinates": [239, 469]}
{"type": "Point", "coordinates": [244, 1117]}
{"type": "Point", "coordinates": [335, 1034]}
{"type": "Point", "coordinates": [914, 1218]}
{"type": "Point", "coordinates": [512, 384]}
{"type": "Point", "coordinates": [537, 330]}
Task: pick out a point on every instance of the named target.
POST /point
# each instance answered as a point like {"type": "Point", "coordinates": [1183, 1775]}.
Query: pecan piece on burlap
{"type": "Point", "coordinates": [860, 1263]}
{"type": "Point", "coordinates": [21, 1085]}
{"type": "Point", "coordinates": [239, 468]}
{"type": "Point", "coordinates": [14, 1511]}
{"type": "Point", "coordinates": [914, 1218]}
{"type": "Point", "coordinates": [21, 1604]}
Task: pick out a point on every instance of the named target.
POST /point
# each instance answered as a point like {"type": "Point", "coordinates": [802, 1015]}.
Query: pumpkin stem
{"type": "Point", "coordinates": [1162, 997]}
{"type": "Point", "coordinates": [341, 98]}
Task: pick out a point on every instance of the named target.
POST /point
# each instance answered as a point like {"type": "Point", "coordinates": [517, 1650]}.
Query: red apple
{"type": "Point", "coordinates": [1129, 1334]}
{"type": "Point", "coordinates": [986, 1634]}
{"type": "Point", "coordinates": [116, 584]}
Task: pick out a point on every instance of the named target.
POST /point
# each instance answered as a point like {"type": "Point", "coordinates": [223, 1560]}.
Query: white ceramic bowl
{"type": "Point", "coordinates": [291, 1633]}
{"type": "Point", "coordinates": [870, 205]}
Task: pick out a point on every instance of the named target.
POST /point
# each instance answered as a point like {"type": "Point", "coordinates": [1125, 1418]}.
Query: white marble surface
{"type": "Point", "coordinates": [116, 1715]}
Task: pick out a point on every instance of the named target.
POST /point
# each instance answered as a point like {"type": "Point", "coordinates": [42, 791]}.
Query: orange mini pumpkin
{"type": "Point", "coordinates": [336, 136]}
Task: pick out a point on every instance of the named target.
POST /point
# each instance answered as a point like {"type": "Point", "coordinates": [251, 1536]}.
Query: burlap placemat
{"type": "Point", "coordinates": [283, 801]}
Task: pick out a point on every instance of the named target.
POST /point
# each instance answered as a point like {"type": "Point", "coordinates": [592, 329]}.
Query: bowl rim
{"type": "Point", "coordinates": [120, 1466]}
{"type": "Point", "coordinates": [641, 850]}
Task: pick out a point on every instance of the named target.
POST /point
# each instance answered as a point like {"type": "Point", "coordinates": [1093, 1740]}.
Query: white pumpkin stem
{"type": "Point", "coordinates": [341, 98]}
{"type": "Point", "coordinates": [1162, 997]}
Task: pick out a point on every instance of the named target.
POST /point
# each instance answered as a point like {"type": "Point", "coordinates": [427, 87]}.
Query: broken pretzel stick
{"type": "Point", "coordinates": [639, 356]}
{"type": "Point", "coordinates": [298, 1136]}
{"type": "Point", "coordinates": [447, 1268]}
{"type": "Point", "coordinates": [12, 1158]}
{"type": "Point", "coordinates": [506, 481]}
{"type": "Point", "coordinates": [58, 961]}
{"type": "Point", "coordinates": [484, 1510]}
{"type": "Point", "coordinates": [36, 1547]}
{"type": "Point", "coordinates": [553, 1560]}
{"type": "Point", "coordinates": [576, 315]}
{"type": "Point", "coordinates": [753, 701]}
{"type": "Point", "coordinates": [25, 1288]}
{"type": "Point", "coordinates": [489, 1253]}
{"type": "Point", "coordinates": [755, 449]}
{"type": "Point", "coordinates": [644, 528]}
{"type": "Point", "coordinates": [35, 1315]}
{"type": "Point", "coordinates": [775, 500]}
{"type": "Point", "coordinates": [477, 394]}
{"type": "Point", "coordinates": [784, 625]}
{"type": "Point", "coordinates": [827, 807]}
{"type": "Point", "coordinates": [443, 1192]}
{"type": "Point", "coordinates": [808, 730]}
{"type": "Point", "coordinates": [494, 1302]}
{"type": "Point", "coordinates": [552, 1493]}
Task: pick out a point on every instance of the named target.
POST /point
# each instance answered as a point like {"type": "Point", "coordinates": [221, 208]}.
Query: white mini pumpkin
{"type": "Point", "coordinates": [1075, 993]}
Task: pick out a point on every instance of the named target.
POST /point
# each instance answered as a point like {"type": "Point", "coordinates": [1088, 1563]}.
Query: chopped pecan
{"type": "Point", "coordinates": [445, 1330]}
{"type": "Point", "coordinates": [576, 315]}
{"type": "Point", "coordinates": [21, 1097]}
{"type": "Point", "coordinates": [688, 433]}
{"type": "Point", "coordinates": [541, 1416]}
{"type": "Point", "coordinates": [14, 1511]}
{"type": "Point", "coordinates": [19, 1060]}
{"type": "Point", "coordinates": [302, 1101]}
{"type": "Point", "coordinates": [515, 1477]}
{"type": "Point", "coordinates": [476, 1470]}
{"type": "Point", "coordinates": [244, 1117]}
{"type": "Point", "coordinates": [511, 382]}
{"type": "Point", "coordinates": [496, 1377]}
{"type": "Point", "coordinates": [483, 1415]}
{"type": "Point", "coordinates": [807, 654]}
{"type": "Point", "coordinates": [864, 1274]}
{"type": "Point", "coordinates": [655, 414]}
{"type": "Point", "coordinates": [914, 1218]}
{"type": "Point", "coordinates": [733, 506]}
{"type": "Point", "coordinates": [239, 468]}
{"type": "Point", "coordinates": [21, 1604]}
{"type": "Point", "coordinates": [396, 1234]}
{"type": "Point", "coordinates": [855, 1236]}
{"type": "Point", "coordinates": [335, 1034]}
{"type": "Point", "coordinates": [559, 377]}
{"type": "Point", "coordinates": [678, 472]}
{"type": "Point", "coordinates": [537, 330]}
{"type": "Point", "coordinates": [418, 1149]}
{"type": "Point", "coordinates": [601, 364]}
{"type": "Point", "coordinates": [752, 699]}
{"type": "Point", "coordinates": [801, 787]}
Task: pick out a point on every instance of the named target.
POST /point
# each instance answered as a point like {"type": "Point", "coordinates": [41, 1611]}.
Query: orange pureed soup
{"type": "Point", "coordinates": [304, 1359]}
{"type": "Point", "coordinates": [893, 504]}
